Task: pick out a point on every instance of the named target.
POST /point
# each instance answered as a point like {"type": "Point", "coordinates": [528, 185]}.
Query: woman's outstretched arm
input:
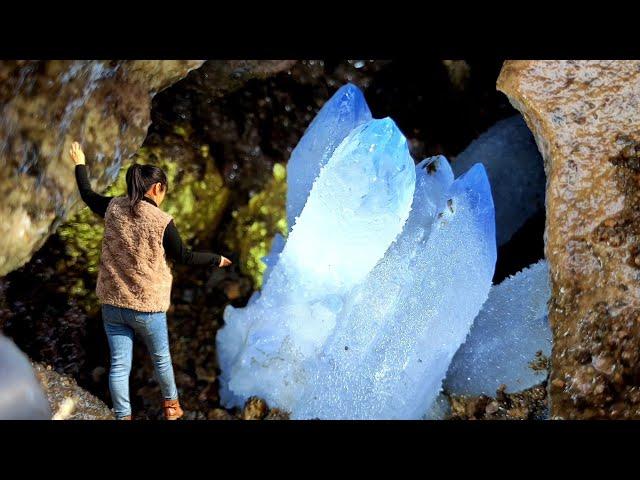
{"type": "Point", "coordinates": [96, 202]}
{"type": "Point", "coordinates": [178, 252]}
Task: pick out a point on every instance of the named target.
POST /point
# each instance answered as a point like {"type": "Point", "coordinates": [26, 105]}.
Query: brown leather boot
{"type": "Point", "coordinates": [127, 417]}
{"type": "Point", "coordinates": [172, 410]}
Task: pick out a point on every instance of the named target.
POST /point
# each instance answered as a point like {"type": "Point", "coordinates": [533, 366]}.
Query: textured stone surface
{"type": "Point", "coordinates": [68, 401]}
{"type": "Point", "coordinates": [219, 77]}
{"type": "Point", "coordinates": [44, 106]}
{"type": "Point", "coordinates": [585, 117]}
{"type": "Point", "coordinates": [254, 409]}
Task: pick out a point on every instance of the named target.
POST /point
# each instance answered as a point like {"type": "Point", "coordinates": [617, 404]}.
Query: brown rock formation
{"type": "Point", "coordinates": [254, 409]}
{"type": "Point", "coordinates": [585, 116]}
{"type": "Point", "coordinates": [218, 77]}
{"type": "Point", "coordinates": [68, 401]}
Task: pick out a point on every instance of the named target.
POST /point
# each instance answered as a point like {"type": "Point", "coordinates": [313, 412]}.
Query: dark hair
{"type": "Point", "coordinates": [140, 178]}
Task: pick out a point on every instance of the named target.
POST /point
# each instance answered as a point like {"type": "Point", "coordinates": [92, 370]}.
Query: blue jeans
{"type": "Point", "coordinates": [121, 324]}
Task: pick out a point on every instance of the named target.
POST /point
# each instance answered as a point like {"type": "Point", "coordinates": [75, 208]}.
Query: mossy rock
{"type": "Point", "coordinates": [255, 224]}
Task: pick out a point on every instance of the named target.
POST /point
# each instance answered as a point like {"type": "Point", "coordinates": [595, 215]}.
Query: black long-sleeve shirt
{"type": "Point", "coordinates": [171, 241]}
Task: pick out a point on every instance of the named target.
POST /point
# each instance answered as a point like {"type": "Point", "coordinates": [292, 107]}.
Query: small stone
{"type": "Point", "coordinates": [501, 395]}
{"type": "Point", "coordinates": [97, 373]}
{"type": "Point", "coordinates": [58, 387]}
{"type": "Point", "coordinates": [219, 414]}
{"type": "Point", "coordinates": [603, 364]}
{"type": "Point", "coordinates": [254, 409]}
{"type": "Point", "coordinates": [518, 413]}
{"type": "Point", "coordinates": [458, 407]}
{"type": "Point", "coordinates": [190, 415]}
{"type": "Point", "coordinates": [205, 375]}
{"type": "Point", "coordinates": [277, 414]}
{"type": "Point", "coordinates": [629, 151]}
{"type": "Point", "coordinates": [492, 408]}
{"type": "Point", "coordinates": [184, 380]}
{"type": "Point", "coordinates": [210, 392]}
{"type": "Point", "coordinates": [476, 407]}
{"type": "Point", "coordinates": [232, 290]}
{"type": "Point", "coordinates": [187, 295]}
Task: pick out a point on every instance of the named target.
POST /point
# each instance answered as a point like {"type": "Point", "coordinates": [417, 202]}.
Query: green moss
{"type": "Point", "coordinates": [196, 199]}
{"type": "Point", "coordinates": [255, 224]}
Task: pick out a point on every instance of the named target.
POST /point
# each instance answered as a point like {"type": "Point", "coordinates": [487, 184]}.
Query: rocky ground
{"type": "Point", "coordinates": [530, 404]}
{"type": "Point", "coordinates": [68, 401]}
{"type": "Point", "coordinates": [47, 306]}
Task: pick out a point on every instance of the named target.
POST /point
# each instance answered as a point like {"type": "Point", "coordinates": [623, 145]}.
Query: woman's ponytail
{"type": "Point", "coordinates": [135, 187]}
{"type": "Point", "coordinates": [140, 178]}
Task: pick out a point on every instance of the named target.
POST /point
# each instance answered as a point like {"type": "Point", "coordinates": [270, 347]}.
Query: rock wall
{"type": "Point", "coordinates": [219, 77]}
{"type": "Point", "coordinates": [585, 117]}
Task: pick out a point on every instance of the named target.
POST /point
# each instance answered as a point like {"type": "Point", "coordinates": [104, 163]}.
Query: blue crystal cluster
{"type": "Point", "coordinates": [385, 267]}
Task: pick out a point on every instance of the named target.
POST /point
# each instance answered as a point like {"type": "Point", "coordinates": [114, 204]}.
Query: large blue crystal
{"type": "Point", "coordinates": [395, 338]}
{"type": "Point", "coordinates": [343, 112]}
{"type": "Point", "coordinates": [506, 338]}
{"type": "Point", "coordinates": [515, 169]}
{"type": "Point", "coordinates": [384, 270]}
{"type": "Point", "coordinates": [356, 208]}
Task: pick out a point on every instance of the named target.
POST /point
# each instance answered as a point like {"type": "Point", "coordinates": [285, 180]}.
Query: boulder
{"type": "Point", "coordinates": [69, 401]}
{"type": "Point", "coordinates": [585, 117]}
{"type": "Point", "coordinates": [219, 77]}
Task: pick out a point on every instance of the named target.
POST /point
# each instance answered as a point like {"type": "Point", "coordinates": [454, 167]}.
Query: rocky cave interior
{"type": "Point", "coordinates": [239, 141]}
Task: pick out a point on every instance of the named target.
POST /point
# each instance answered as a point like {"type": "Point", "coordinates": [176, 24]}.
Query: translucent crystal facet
{"type": "Point", "coordinates": [506, 337]}
{"type": "Point", "coordinates": [403, 324]}
{"type": "Point", "coordinates": [344, 111]}
{"type": "Point", "coordinates": [515, 169]}
{"type": "Point", "coordinates": [356, 208]}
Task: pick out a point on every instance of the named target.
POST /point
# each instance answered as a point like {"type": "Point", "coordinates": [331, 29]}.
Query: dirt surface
{"type": "Point", "coordinates": [585, 117]}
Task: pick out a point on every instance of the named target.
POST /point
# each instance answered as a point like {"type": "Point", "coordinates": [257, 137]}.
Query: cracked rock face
{"type": "Point", "coordinates": [585, 116]}
{"type": "Point", "coordinates": [46, 105]}
{"type": "Point", "coordinates": [219, 77]}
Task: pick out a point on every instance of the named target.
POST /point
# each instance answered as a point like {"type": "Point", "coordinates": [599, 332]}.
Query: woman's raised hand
{"type": "Point", "coordinates": [76, 153]}
{"type": "Point", "coordinates": [224, 261]}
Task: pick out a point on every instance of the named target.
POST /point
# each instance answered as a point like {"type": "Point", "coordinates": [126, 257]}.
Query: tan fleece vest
{"type": "Point", "coordinates": [133, 268]}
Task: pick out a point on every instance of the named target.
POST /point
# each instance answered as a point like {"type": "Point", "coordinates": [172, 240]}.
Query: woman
{"type": "Point", "coordinates": [134, 280]}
